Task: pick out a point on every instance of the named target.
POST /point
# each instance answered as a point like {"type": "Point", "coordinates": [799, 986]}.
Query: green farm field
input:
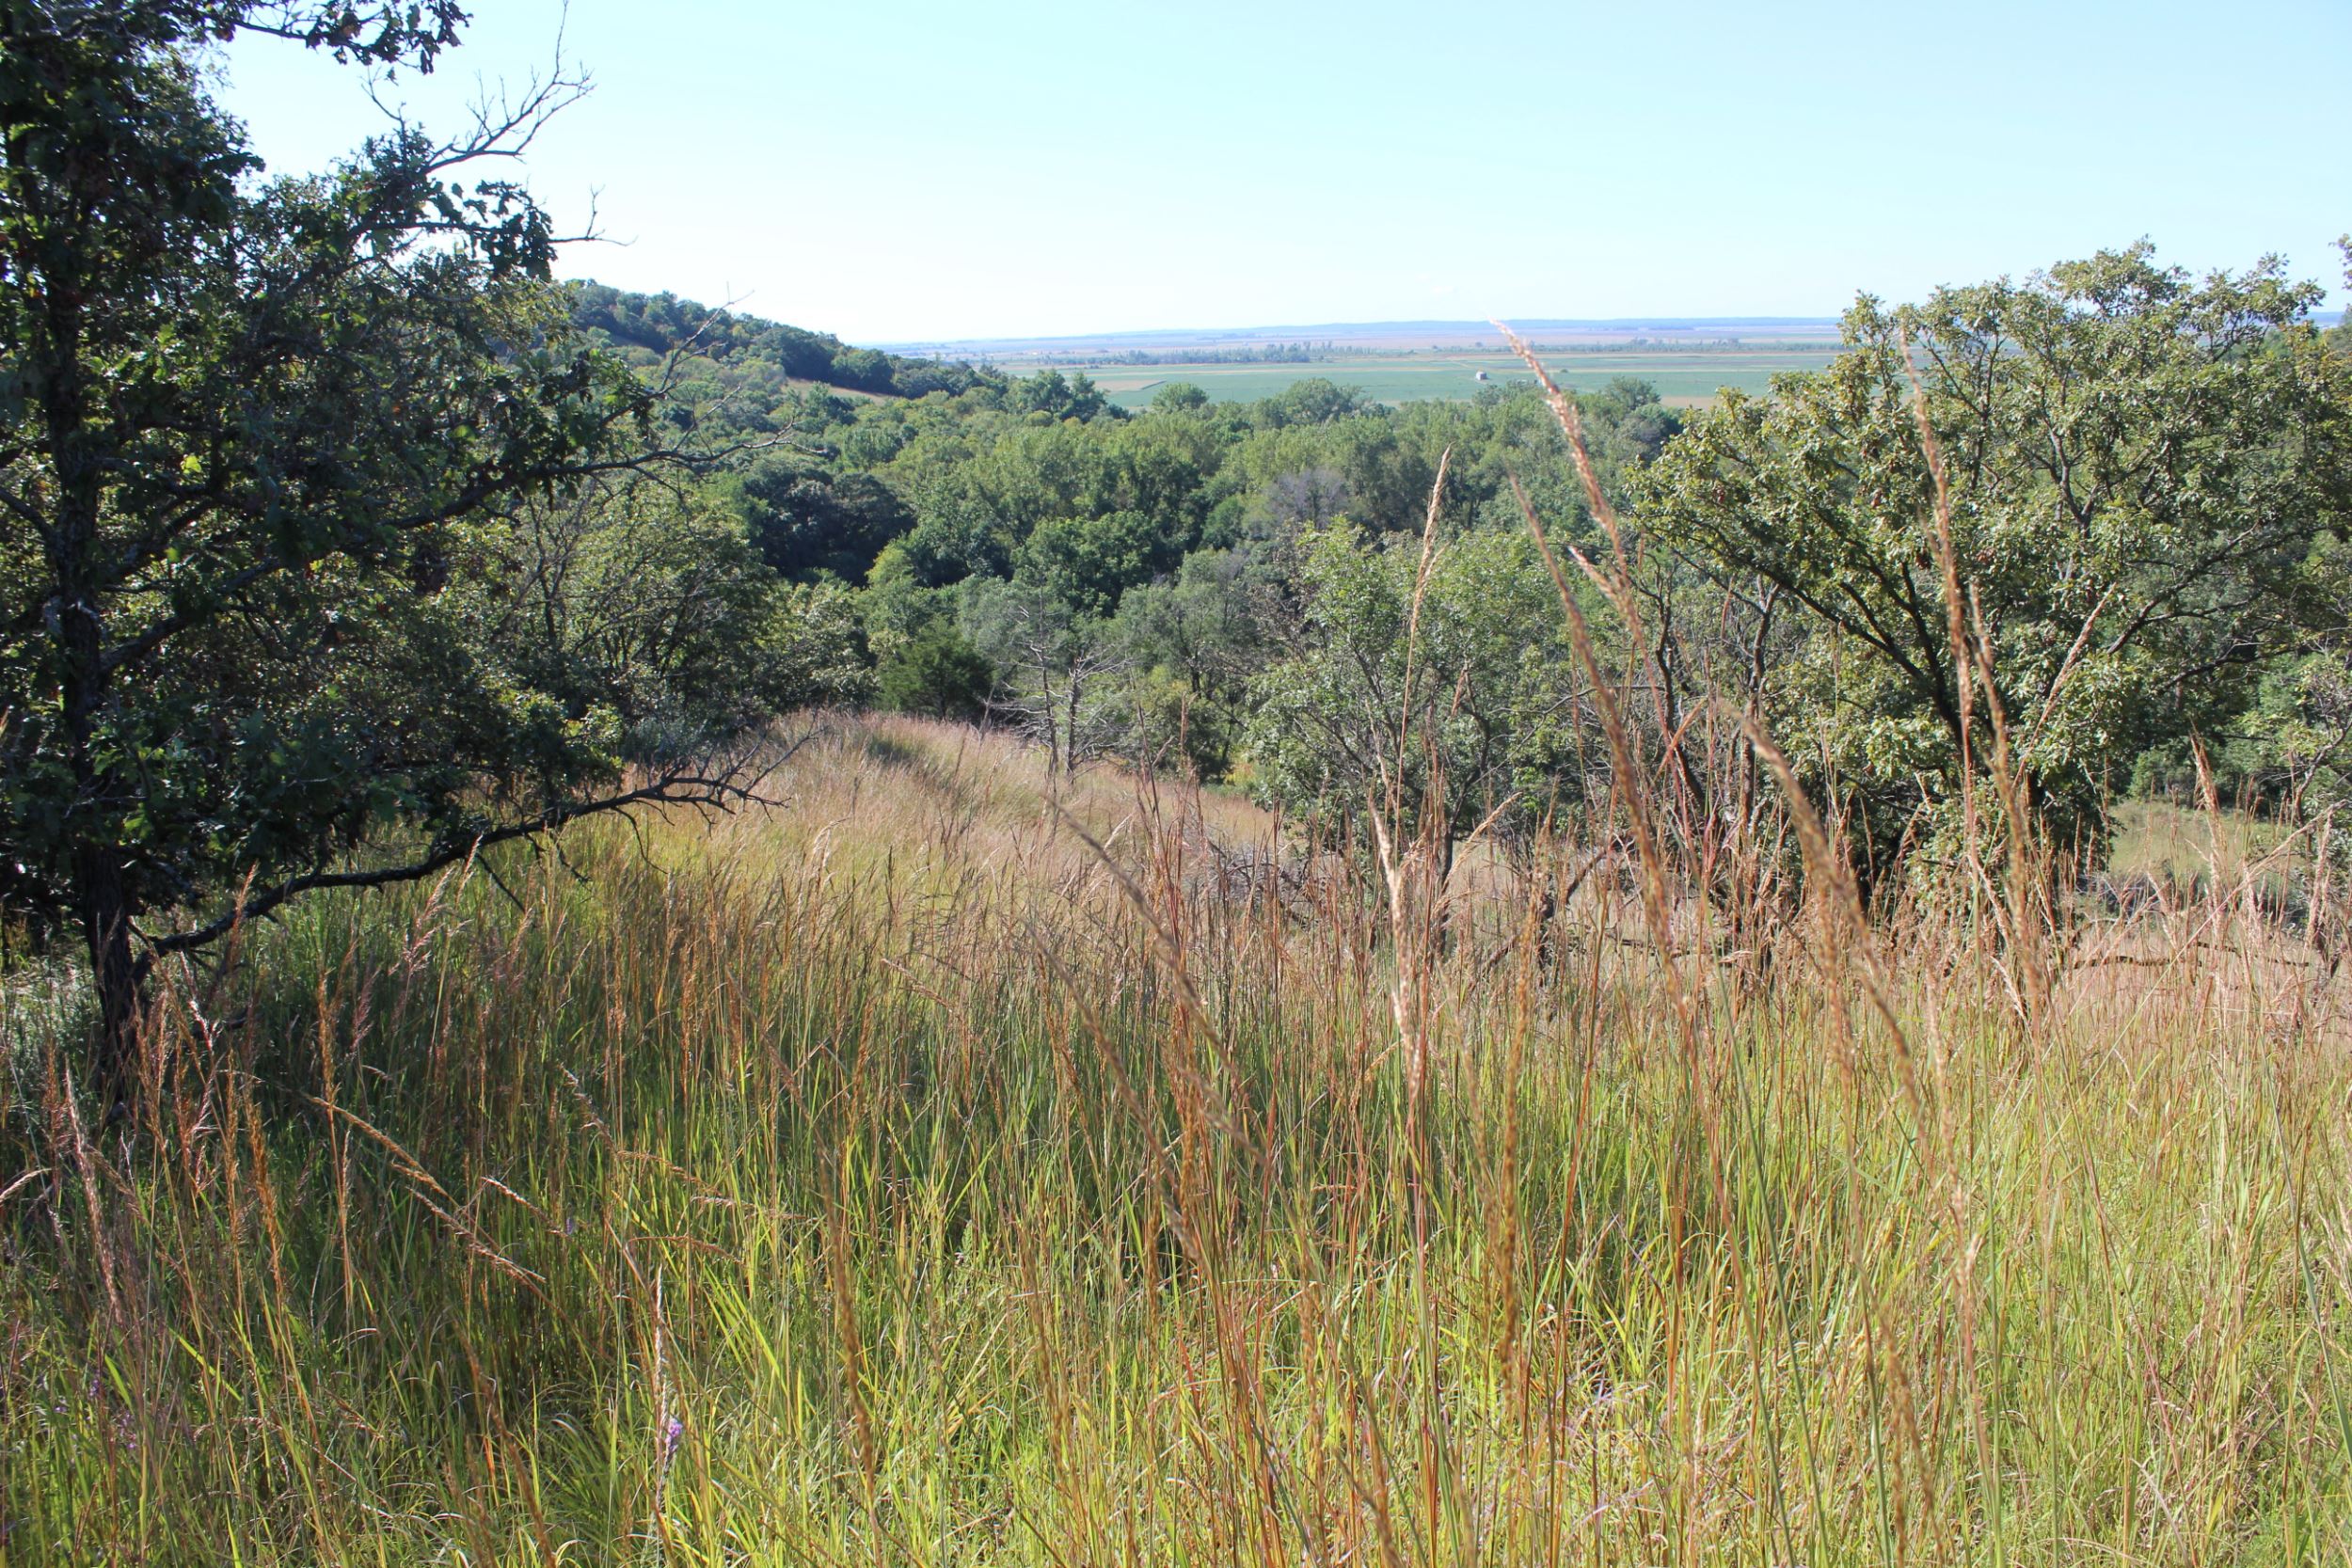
{"type": "Point", "coordinates": [1683, 379]}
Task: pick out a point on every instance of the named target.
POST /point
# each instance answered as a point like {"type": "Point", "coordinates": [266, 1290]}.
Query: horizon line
{"type": "Point", "coordinates": [1524, 324]}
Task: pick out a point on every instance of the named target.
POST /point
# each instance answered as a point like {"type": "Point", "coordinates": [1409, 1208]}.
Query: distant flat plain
{"type": "Point", "coordinates": [1683, 379]}
{"type": "Point", "coordinates": [1687, 361]}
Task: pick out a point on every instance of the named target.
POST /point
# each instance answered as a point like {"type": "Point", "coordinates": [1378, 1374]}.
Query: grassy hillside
{"type": "Point", "coordinates": [891, 1175]}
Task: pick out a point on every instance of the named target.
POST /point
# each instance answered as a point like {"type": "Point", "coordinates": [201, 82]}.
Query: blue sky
{"type": "Point", "coordinates": [911, 170]}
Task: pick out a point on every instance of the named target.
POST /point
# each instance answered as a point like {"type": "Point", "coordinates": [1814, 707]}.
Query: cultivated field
{"type": "Point", "coordinates": [951, 1165]}
{"type": "Point", "coordinates": [1683, 378]}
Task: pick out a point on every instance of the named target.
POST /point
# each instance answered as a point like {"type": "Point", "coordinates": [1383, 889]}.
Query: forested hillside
{"type": "Point", "coordinates": [2146, 476]}
{"type": "Point", "coordinates": [344, 542]}
{"type": "Point", "coordinates": [1152, 587]}
{"type": "Point", "coordinates": [748, 363]}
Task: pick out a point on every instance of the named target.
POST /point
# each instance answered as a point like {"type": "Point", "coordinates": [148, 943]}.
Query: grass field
{"type": "Point", "coordinates": [950, 1165]}
{"type": "Point", "coordinates": [2179, 847]}
{"type": "Point", "coordinates": [1683, 378]}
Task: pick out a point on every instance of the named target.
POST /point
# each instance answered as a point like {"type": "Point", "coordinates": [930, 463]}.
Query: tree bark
{"type": "Point", "coordinates": [101, 895]}
{"type": "Point", "coordinates": [103, 904]}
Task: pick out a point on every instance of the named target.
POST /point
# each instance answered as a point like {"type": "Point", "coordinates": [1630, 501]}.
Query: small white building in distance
{"type": "Point", "coordinates": [1481, 376]}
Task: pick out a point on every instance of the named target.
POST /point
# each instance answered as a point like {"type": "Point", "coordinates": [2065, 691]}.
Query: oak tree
{"type": "Point", "coordinates": [256, 436]}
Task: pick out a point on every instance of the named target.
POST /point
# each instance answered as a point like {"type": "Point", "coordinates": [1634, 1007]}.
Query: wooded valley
{"type": "Point", "coordinates": [631, 934]}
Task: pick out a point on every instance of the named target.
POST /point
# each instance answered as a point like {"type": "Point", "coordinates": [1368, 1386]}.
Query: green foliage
{"type": "Point", "coordinates": [1058, 666]}
{"type": "Point", "coordinates": [1313, 400]}
{"type": "Point", "coordinates": [1150, 554]}
{"type": "Point", "coordinates": [937, 672]}
{"type": "Point", "coordinates": [1048, 395]}
{"type": "Point", "coordinates": [2340, 336]}
{"type": "Point", "coordinates": [1452, 688]}
{"type": "Point", "coordinates": [749, 367]}
{"type": "Point", "coordinates": [647, 610]}
{"type": "Point", "coordinates": [2140, 465]}
{"type": "Point", "coordinates": [807, 521]}
{"type": "Point", "coordinates": [1195, 642]}
{"type": "Point", "coordinates": [364, 586]}
{"type": "Point", "coordinates": [2293, 747]}
{"type": "Point", "coordinates": [1629, 408]}
{"type": "Point", "coordinates": [1090, 562]}
{"type": "Point", "coordinates": [271, 453]}
{"type": "Point", "coordinates": [814, 649]}
{"type": "Point", "coordinates": [1171, 725]}
{"type": "Point", "coordinates": [1179, 397]}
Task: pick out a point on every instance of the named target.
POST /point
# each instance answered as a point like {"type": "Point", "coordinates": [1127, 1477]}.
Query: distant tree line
{"type": "Point", "coordinates": [1244, 354]}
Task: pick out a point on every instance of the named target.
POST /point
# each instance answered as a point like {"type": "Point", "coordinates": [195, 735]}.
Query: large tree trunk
{"type": "Point", "coordinates": [101, 898]}
{"type": "Point", "coordinates": [116, 975]}
{"type": "Point", "coordinates": [101, 901]}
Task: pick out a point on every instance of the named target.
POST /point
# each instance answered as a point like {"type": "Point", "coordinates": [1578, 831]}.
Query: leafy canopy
{"type": "Point", "coordinates": [2139, 465]}
{"type": "Point", "coordinates": [270, 451]}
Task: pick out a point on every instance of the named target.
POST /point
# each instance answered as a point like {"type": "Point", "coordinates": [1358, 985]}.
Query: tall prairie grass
{"type": "Point", "coordinates": [953, 1164]}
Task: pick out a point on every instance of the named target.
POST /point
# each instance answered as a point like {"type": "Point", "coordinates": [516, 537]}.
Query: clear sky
{"type": "Point", "coordinates": [899, 170]}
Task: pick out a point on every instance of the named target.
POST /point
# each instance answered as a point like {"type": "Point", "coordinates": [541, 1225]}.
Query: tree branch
{"type": "Point", "coordinates": [676, 789]}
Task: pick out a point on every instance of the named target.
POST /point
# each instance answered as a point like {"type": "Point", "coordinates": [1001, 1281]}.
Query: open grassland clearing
{"type": "Point", "coordinates": [950, 1164]}
{"type": "Point", "coordinates": [2181, 849]}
